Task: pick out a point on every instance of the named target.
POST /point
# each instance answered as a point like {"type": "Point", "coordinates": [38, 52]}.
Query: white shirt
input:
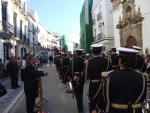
{"type": "Point", "coordinates": [23, 65]}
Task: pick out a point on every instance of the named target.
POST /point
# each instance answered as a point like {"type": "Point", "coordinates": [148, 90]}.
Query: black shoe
{"type": "Point", "coordinates": [18, 86]}
{"type": "Point", "coordinates": [80, 112]}
{"type": "Point", "coordinates": [13, 87]}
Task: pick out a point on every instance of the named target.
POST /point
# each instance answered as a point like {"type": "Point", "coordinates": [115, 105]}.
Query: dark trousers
{"type": "Point", "coordinates": [93, 88]}
{"type": "Point", "coordinates": [30, 101]}
{"type": "Point", "coordinates": [14, 80]}
{"type": "Point", "coordinates": [65, 72]}
{"type": "Point", "coordinates": [22, 74]}
{"type": "Point", "coordinates": [78, 92]}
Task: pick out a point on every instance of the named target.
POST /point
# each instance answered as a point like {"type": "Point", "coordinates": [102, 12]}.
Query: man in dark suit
{"type": "Point", "coordinates": [65, 68]}
{"type": "Point", "coordinates": [31, 78]}
{"type": "Point", "coordinates": [78, 79]}
{"type": "Point", "coordinates": [13, 69]}
{"type": "Point", "coordinates": [124, 90]}
{"type": "Point", "coordinates": [94, 66]}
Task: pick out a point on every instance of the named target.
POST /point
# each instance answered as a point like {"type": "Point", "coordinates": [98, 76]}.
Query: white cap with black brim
{"type": "Point", "coordinates": [97, 45]}
{"type": "Point", "coordinates": [136, 48]}
{"type": "Point", "coordinates": [127, 51]}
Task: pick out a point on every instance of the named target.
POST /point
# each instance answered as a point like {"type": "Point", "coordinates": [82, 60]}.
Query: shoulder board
{"type": "Point", "coordinates": [143, 73]}
{"type": "Point", "coordinates": [86, 61]}
{"type": "Point", "coordinates": [105, 74]}
{"type": "Point", "coordinates": [146, 75]}
{"type": "Point", "coordinates": [90, 58]}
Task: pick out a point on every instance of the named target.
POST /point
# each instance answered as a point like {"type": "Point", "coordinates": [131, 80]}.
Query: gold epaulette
{"type": "Point", "coordinates": [92, 58]}
{"type": "Point", "coordinates": [143, 73]}
{"type": "Point", "coordinates": [105, 74]}
{"type": "Point", "coordinates": [86, 61]}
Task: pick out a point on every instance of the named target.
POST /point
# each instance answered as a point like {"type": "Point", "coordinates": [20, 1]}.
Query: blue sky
{"type": "Point", "coordinates": [61, 16]}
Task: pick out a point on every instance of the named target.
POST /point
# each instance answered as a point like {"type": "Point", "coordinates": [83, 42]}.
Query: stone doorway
{"type": "Point", "coordinates": [131, 41]}
{"type": "Point", "coordinates": [130, 25]}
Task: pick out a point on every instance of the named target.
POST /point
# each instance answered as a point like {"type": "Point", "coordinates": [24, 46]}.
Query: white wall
{"type": "Point", "coordinates": [116, 13]}
{"type": "Point", "coordinates": [70, 46]}
{"type": "Point", "coordinates": [145, 10]}
{"type": "Point", "coordinates": [0, 10]}
{"type": "Point", "coordinates": [95, 12]}
{"type": "Point", "coordinates": [10, 12]}
{"type": "Point", "coordinates": [108, 19]}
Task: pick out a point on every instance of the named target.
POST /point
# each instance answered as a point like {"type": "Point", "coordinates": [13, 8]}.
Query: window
{"type": "Point", "coordinates": [4, 15]}
{"type": "Point", "coordinates": [25, 31]}
{"type": "Point", "coordinates": [20, 29]}
{"type": "Point", "coordinates": [15, 24]}
{"type": "Point", "coordinates": [24, 6]}
{"type": "Point", "coordinates": [99, 16]}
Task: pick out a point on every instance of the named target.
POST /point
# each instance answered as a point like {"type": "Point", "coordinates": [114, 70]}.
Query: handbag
{"type": "Point", "coordinates": [3, 90]}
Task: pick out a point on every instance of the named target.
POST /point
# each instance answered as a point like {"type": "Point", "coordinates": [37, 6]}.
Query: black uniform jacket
{"type": "Point", "coordinates": [95, 66]}
{"type": "Point", "coordinates": [31, 79]}
{"type": "Point", "coordinates": [78, 67]}
{"type": "Point", "coordinates": [123, 87]}
{"type": "Point", "coordinates": [12, 68]}
{"type": "Point", "coordinates": [114, 59]}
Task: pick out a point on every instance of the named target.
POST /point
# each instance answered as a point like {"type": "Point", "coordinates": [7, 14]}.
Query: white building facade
{"type": "Point", "coordinates": [20, 31]}
{"type": "Point", "coordinates": [103, 23]}
{"type": "Point", "coordinates": [131, 23]}
{"type": "Point", "coordinates": [13, 32]}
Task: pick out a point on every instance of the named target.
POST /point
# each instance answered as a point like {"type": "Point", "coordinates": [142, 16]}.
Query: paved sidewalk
{"type": "Point", "coordinates": [8, 101]}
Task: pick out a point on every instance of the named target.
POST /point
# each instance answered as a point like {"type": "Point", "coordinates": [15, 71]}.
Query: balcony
{"type": "Point", "coordinates": [6, 30]}
{"type": "Point", "coordinates": [100, 36]}
{"type": "Point", "coordinates": [99, 16]}
{"type": "Point", "coordinates": [10, 28]}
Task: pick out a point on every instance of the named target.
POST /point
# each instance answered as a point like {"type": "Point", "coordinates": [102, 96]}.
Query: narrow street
{"type": "Point", "coordinates": [58, 100]}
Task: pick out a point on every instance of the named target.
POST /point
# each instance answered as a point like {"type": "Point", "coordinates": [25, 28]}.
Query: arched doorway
{"type": "Point", "coordinates": [131, 41]}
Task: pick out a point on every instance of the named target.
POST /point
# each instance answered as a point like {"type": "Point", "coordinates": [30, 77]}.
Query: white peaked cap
{"type": "Point", "coordinates": [127, 50]}
{"type": "Point", "coordinates": [136, 47]}
{"type": "Point", "coordinates": [79, 49]}
{"type": "Point", "coordinates": [97, 45]}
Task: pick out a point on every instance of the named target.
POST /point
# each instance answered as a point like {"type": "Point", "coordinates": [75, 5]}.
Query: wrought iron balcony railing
{"type": "Point", "coordinates": [99, 16]}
